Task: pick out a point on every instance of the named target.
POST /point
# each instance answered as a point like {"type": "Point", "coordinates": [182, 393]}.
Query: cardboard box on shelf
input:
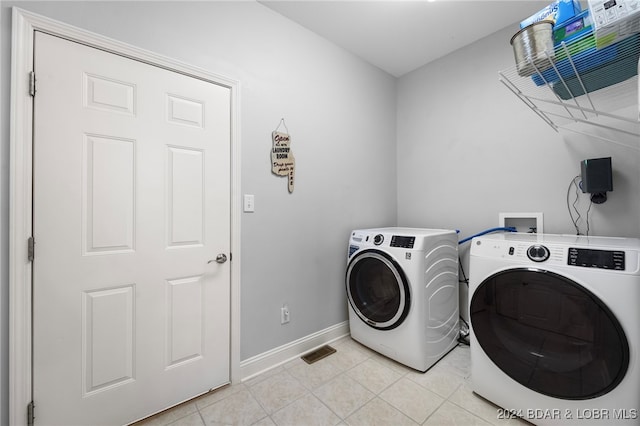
{"type": "Point", "coordinates": [614, 20]}
{"type": "Point", "coordinates": [557, 12]}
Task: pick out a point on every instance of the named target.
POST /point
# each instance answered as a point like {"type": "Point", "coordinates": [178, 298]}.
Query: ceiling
{"type": "Point", "coordinates": [401, 36]}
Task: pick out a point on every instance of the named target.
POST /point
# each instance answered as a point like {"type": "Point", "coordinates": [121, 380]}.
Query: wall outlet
{"type": "Point", "coordinates": [284, 314]}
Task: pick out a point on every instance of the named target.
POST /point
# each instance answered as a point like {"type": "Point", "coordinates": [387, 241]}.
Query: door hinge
{"type": "Point", "coordinates": [31, 410]}
{"type": "Point", "coordinates": [31, 248]}
{"type": "Point", "coordinates": [32, 83]}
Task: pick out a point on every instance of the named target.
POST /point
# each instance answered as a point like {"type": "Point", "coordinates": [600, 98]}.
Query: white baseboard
{"type": "Point", "coordinates": [275, 357]}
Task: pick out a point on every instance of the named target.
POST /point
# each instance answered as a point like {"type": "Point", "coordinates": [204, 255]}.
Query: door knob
{"type": "Point", "coordinates": [221, 258]}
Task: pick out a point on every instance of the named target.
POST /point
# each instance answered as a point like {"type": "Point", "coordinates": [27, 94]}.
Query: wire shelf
{"type": "Point", "coordinates": [577, 83]}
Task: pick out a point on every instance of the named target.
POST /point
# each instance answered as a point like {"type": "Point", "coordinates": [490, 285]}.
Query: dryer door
{"type": "Point", "coordinates": [377, 289]}
{"type": "Point", "coordinates": [549, 334]}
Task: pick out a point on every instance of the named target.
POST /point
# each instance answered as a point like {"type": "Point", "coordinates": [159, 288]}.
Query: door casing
{"type": "Point", "coordinates": [24, 24]}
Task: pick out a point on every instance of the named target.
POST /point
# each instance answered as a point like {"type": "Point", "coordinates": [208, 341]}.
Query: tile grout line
{"type": "Point", "coordinates": [441, 404]}
{"type": "Point", "coordinates": [367, 355]}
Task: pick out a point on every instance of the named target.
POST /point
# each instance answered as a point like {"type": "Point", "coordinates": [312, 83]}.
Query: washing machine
{"type": "Point", "coordinates": [402, 287]}
{"type": "Point", "coordinates": [555, 327]}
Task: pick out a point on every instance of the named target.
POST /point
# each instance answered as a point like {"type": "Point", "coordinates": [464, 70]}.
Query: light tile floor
{"type": "Point", "coordinates": [354, 386]}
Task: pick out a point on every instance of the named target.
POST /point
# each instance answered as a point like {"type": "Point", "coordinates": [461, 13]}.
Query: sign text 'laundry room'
{"type": "Point", "coordinates": [282, 161]}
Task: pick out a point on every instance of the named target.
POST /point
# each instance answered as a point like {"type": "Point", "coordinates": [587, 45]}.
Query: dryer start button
{"type": "Point", "coordinates": [538, 253]}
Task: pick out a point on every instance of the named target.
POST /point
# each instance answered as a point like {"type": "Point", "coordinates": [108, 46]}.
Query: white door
{"type": "Point", "coordinates": [131, 209]}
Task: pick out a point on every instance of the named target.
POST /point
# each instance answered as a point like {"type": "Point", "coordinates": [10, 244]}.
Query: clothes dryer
{"type": "Point", "coordinates": [402, 287]}
{"type": "Point", "coordinates": [555, 327]}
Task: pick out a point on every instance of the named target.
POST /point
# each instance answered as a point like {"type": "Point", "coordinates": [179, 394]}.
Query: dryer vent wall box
{"type": "Point", "coordinates": [596, 175]}
{"type": "Point", "coordinates": [523, 222]}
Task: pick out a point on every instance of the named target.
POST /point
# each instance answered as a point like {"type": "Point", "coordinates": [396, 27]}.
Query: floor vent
{"type": "Point", "coordinates": [318, 354]}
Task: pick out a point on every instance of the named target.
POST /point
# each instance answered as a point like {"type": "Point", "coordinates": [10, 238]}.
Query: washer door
{"type": "Point", "coordinates": [549, 334]}
{"type": "Point", "coordinates": [377, 289]}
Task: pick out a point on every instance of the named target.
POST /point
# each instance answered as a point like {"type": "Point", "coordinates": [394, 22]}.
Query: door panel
{"type": "Point", "coordinates": [109, 194]}
{"type": "Point", "coordinates": [185, 201]}
{"type": "Point", "coordinates": [131, 201]}
{"type": "Point", "coordinates": [184, 320]}
{"type": "Point", "coordinates": [107, 316]}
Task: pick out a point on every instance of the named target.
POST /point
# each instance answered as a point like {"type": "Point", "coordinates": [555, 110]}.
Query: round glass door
{"type": "Point", "coordinates": [549, 334]}
{"type": "Point", "coordinates": [377, 289]}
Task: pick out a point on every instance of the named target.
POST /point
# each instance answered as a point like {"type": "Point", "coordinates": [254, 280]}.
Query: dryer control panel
{"type": "Point", "coordinates": [589, 258]}
{"type": "Point", "coordinates": [404, 242]}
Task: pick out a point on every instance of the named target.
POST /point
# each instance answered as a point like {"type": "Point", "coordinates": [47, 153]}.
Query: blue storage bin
{"type": "Point", "coordinates": [587, 58]}
{"type": "Point", "coordinates": [616, 71]}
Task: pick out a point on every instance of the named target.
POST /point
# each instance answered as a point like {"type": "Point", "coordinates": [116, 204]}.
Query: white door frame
{"type": "Point", "coordinates": [20, 199]}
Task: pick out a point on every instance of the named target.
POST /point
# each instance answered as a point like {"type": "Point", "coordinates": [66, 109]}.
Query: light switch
{"type": "Point", "coordinates": [249, 203]}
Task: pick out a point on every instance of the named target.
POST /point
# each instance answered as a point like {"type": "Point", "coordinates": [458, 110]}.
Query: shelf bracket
{"type": "Point", "coordinates": [504, 80]}
{"type": "Point", "coordinates": [575, 71]}
{"type": "Point", "coordinates": [549, 85]}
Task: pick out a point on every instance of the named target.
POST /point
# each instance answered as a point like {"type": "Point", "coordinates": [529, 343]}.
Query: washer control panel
{"type": "Point", "coordinates": [603, 259]}
{"type": "Point", "coordinates": [538, 253]}
{"type": "Point", "coordinates": [602, 254]}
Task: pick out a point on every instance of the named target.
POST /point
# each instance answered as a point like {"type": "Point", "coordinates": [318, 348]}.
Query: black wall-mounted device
{"type": "Point", "coordinates": [597, 178]}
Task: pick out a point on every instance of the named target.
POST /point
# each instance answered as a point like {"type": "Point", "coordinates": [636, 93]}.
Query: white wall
{"type": "Point", "coordinates": [469, 149]}
{"type": "Point", "coordinates": [339, 110]}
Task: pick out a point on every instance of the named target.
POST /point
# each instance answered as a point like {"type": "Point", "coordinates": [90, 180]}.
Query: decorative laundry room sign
{"type": "Point", "coordinates": [282, 161]}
